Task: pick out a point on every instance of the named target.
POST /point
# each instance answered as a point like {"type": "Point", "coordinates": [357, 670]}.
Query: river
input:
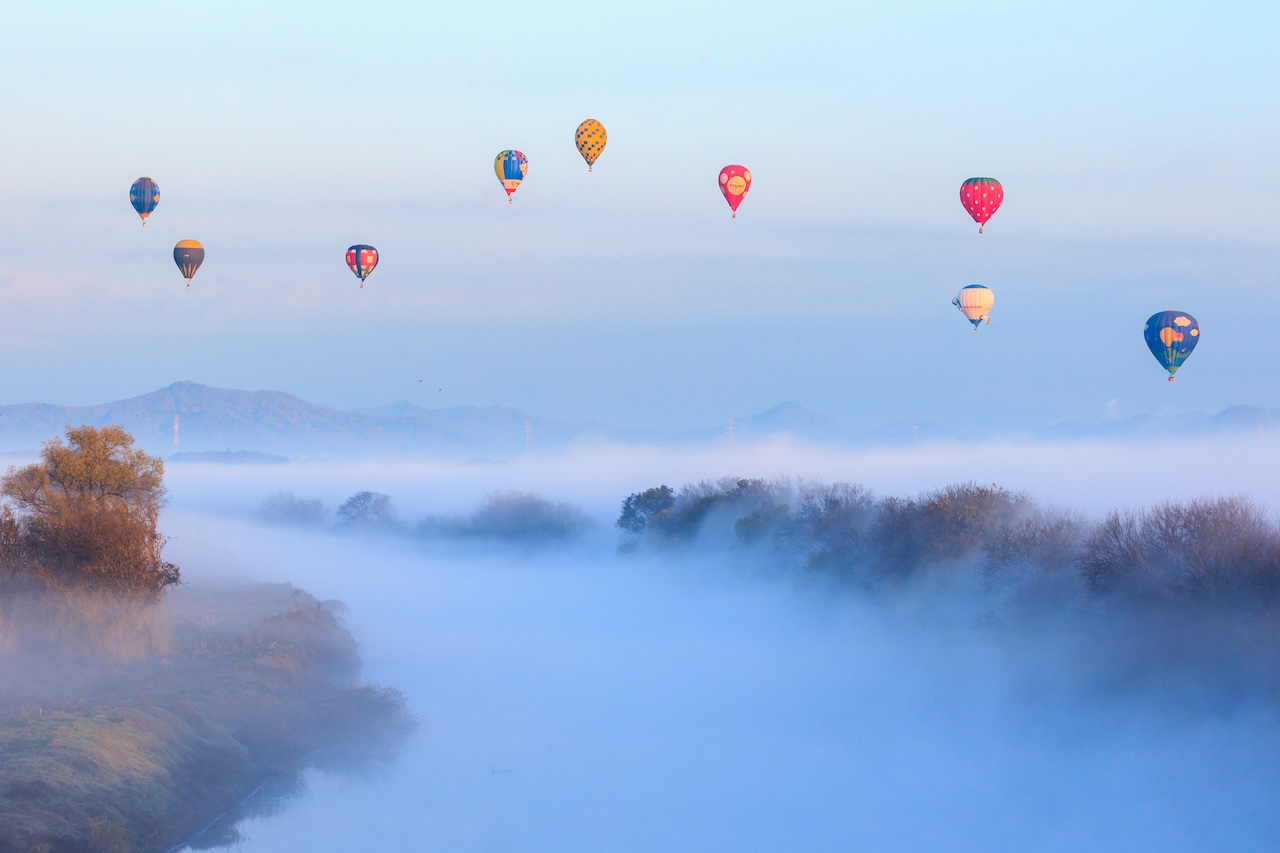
{"type": "Point", "coordinates": [575, 699]}
{"type": "Point", "coordinates": [582, 701]}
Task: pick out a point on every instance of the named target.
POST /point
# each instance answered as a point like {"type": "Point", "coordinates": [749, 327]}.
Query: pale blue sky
{"type": "Point", "coordinates": [1136, 146]}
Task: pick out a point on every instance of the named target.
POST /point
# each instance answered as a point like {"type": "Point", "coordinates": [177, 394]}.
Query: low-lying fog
{"type": "Point", "coordinates": [576, 699]}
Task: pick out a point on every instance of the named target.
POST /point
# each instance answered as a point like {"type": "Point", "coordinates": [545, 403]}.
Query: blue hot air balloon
{"type": "Point", "coordinates": [188, 255]}
{"type": "Point", "coordinates": [511, 167]}
{"type": "Point", "coordinates": [1171, 336]}
{"type": "Point", "coordinates": [144, 195]}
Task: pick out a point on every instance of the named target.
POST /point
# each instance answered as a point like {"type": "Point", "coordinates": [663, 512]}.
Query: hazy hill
{"type": "Point", "coordinates": [491, 429]}
{"type": "Point", "coordinates": [222, 425]}
{"type": "Point", "coordinates": [223, 419]}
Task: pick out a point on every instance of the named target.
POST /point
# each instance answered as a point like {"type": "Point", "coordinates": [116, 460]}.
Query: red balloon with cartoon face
{"type": "Point", "coordinates": [734, 183]}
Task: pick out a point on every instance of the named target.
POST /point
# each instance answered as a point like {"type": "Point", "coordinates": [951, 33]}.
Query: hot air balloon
{"type": "Point", "coordinates": [188, 255]}
{"type": "Point", "coordinates": [982, 198]}
{"type": "Point", "coordinates": [511, 166]}
{"type": "Point", "coordinates": [362, 259]}
{"type": "Point", "coordinates": [734, 183]}
{"type": "Point", "coordinates": [144, 195]}
{"type": "Point", "coordinates": [975, 303]}
{"type": "Point", "coordinates": [1171, 336]}
{"type": "Point", "coordinates": [590, 140]}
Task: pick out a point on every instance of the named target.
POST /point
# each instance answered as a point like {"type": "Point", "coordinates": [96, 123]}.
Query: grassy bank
{"type": "Point", "coordinates": [139, 756]}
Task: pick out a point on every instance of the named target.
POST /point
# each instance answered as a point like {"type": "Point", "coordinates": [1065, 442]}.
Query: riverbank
{"type": "Point", "coordinates": [141, 756]}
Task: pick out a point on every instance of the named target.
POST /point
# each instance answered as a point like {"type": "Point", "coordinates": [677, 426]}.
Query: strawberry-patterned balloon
{"type": "Point", "coordinates": [982, 198]}
{"type": "Point", "coordinates": [734, 183]}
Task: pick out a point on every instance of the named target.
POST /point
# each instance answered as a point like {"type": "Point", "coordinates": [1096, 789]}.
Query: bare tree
{"type": "Point", "coordinates": [367, 509]}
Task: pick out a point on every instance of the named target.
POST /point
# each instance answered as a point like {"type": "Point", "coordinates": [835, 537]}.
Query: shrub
{"type": "Point", "coordinates": [513, 517]}
{"type": "Point", "coordinates": [947, 524]}
{"type": "Point", "coordinates": [831, 525]}
{"type": "Point", "coordinates": [731, 499]}
{"type": "Point", "coordinates": [1043, 543]}
{"type": "Point", "coordinates": [1200, 550]}
{"type": "Point", "coordinates": [110, 836]}
{"type": "Point", "coordinates": [640, 507]}
{"type": "Point", "coordinates": [284, 508]}
{"type": "Point", "coordinates": [367, 509]}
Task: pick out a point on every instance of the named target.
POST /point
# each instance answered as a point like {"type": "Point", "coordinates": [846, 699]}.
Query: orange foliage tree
{"type": "Point", "coordinates": [85, 516]}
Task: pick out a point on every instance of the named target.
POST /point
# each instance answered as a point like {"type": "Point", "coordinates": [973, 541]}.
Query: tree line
{"type": "Point", "coordinates": [1198, 552]}
{"type": "Point", "coordinates": [522, 517]}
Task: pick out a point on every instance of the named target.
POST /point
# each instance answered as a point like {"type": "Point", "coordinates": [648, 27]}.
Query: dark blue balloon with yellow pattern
{"type": "Point", "coordinates": [1171, 336]}
{"type": "Point", "coordinates": [144, 195]}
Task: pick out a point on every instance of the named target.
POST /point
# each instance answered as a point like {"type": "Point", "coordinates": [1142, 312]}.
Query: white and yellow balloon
{"type": "Point", "coordinates": [975, 302]}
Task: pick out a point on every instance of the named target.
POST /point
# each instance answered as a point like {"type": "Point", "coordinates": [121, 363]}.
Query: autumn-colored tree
{"type": "Point", "coordinates": [86, 515]}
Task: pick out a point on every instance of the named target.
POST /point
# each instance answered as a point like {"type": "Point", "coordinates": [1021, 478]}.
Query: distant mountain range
{"type": "Point", "coordinates": [223, 425]}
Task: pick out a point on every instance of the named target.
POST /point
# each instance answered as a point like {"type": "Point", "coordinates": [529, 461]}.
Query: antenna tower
{"type": "Point", "coordinates": [528, 434]}
{"type": "Point", "coordinates": [728, 429]}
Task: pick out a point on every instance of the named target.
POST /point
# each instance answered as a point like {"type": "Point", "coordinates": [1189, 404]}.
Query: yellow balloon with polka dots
{"type": "Point", "coordinates": [590, 140]}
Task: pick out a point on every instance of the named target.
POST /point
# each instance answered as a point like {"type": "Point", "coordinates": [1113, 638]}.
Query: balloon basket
{"type": "Point", "coordinates": [1171, 378]}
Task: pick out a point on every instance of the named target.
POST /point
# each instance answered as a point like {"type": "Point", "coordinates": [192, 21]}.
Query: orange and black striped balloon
{"type": "Point", "coordinates": [188, 255]}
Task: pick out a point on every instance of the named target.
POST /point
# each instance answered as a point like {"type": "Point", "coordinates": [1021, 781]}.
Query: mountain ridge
{"type": "Point", "coordinates": [216, 421]}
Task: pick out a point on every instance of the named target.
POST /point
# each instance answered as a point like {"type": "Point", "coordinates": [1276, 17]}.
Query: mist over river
{"type": "Point", "coordinates": [572, 698]}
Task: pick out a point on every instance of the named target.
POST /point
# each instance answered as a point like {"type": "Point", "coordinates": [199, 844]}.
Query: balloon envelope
{"type": "Point", "coordinates": [144, 195]}
{"type": "Point", "coordinates": [511, 166]}
{"type": "Point", "coordinates": [1171, 336]}
{"type": "Point", "coordinates": [975, 302]}
{"type": "Point", "coordinates": [982, 198]}
{"type": "Point", "coordinates": [734, 182]}
{"type": "Point", "coordinates": [188, 255]}
{"type": "Point", "coordinates": [362, 259]}
{"type": "Point", "coordinates": [590, 139]}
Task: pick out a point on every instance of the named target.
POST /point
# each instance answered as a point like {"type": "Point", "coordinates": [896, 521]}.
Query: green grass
{"type": "Point", "coordinates": [139, 757]}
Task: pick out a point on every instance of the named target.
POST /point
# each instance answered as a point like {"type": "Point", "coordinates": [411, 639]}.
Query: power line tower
{"type": "Point", "coordinates": [728, 430]}
{"type": "Point", "coordinates": [175, 433]}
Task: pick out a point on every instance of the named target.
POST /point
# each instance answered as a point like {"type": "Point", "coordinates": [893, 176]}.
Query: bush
{"type": "Point", "coordinates": [639, 508]}
{"type": "Point", "coordinates": [284, 508]}
{"type": "Point", "coordinates": [367, 509]}
{"type": "Point", "coordinates": [947, 524]}
{"type": "Point", "coordinates": [730, 500]}
{"type": "Point", "coordinates": [1042, 544]}
{"type": "Point", "coordinates": [831, 525]}
{"type": "Point", "coordinates": [817, 524]}
{"type": "Point", "coordinates": [512, 517]}
{"type": "Point", "coordinates": [1201, 550]}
